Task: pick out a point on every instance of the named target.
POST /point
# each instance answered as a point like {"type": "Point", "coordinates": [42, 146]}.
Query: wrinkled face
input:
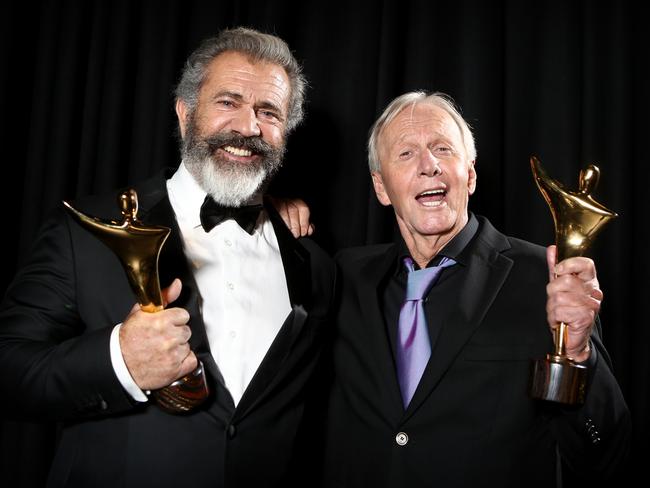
{"type": "Point", "coordinates": [425, 174]}
{"type": "Point", "coordinates": [234, 140]}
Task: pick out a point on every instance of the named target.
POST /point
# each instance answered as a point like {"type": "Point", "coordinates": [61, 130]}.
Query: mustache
{"type": "Point", "coordinates": [255, 144]}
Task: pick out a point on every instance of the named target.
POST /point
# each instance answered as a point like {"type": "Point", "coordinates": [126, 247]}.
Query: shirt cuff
{"type": "Point", "coordinates": [122, 372]}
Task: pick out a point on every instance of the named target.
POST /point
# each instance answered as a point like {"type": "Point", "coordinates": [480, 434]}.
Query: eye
{"type": "Point", "coordinates": [268, 115]}
{"type": "Point", "coordinates": [405, 154]}
{"type": "Point", "coordinates": [443, 150]}
{"type": "Point", "coordinates": [226, 103]}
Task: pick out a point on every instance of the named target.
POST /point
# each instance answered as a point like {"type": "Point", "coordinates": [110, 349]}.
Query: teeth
{"type": "Point", "coordinates": [431, 193]}
{"type": "Point", "coordinates": [236, 151]}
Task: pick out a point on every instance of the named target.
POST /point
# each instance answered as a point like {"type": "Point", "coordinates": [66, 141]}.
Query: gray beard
{"type": "Point", "coordinates": [228, 186]}
{"type": "Point", "coordinates": [229, 183]}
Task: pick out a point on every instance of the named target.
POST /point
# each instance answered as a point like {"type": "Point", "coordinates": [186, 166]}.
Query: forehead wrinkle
{"type": "Point", "coordinates": [237, 74]}
{"type": "Point", "coordinates": [408, 125]}
{"type": "Point", "coordinates": [433, 123]}
{"type": "Point", "coordinates": [271, 81]}
{"type": "Point", "coordinates": [236, 86]}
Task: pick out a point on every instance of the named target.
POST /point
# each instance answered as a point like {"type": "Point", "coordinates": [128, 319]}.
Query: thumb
{"type": "Point", "coordinates": [551, 256]}
{"type": "Point", "coordinates": [172, 292]}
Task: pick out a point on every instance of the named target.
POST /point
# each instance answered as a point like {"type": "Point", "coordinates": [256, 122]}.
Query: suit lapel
{"type": "Point", "coordinates": [488, 270]}
{"type": "Point", "coordinates": [297, 268]}
{"type": "Point", "coordinates": [295, 259]}
{"type": "Point", "coordinates": [373, 272]}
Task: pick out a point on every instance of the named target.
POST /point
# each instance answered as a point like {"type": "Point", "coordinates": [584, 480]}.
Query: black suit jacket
{"type": "Point", "coordinates": [55, 324]}
{"type": "Point", "coordinates": [471, 422]}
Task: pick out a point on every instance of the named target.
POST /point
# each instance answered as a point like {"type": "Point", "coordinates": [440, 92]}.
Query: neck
{"type": "Point", "coordinates": [424, 247]}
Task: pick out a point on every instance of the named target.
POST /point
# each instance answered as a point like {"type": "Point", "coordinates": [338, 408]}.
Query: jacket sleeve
{"type": "Point", "coordinates": [54, 367]}
{"type": "Point", "coordinates": [594, 439]}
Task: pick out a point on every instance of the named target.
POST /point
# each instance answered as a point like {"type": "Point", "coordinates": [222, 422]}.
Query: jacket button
{"type": "Point", "coordinates": [401, 438]}
{"type": "Point", "coordinates": [232, 431]}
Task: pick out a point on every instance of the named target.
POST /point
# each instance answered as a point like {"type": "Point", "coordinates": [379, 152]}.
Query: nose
{"type": "Point", "coordinates": [429, 165]}
{"type": "Point", "coordinates": [245, 122]}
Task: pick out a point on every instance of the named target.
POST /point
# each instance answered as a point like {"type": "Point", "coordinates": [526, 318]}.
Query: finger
{"type": "Point", "coordinates": [582, 267]}
{"type": "Point", "coordinates": [597, 294]}
{"type": "Point", "coordinates": [571, 283]}
{"type": "Point", "coordinates": [289, 215]}
{"type": "Point", "coordinates": [185, 333]}
{"type": "Point", "coordinates": [551, 257]}
{"type": "Point", "coordinates": [284, 210]}
{"type": "Point", "coordinates": [575, 313]}
{"type": "Point", "coordinates": [172, 292]}
{"type": "Point", "coordinates": [189, 364]}
{"type": "Point", "coordinates": [176, 316]}
{"type": "Point", "coordinates": [303, 218]}
{"type": "Point", "coordinates": [311, 229]}
{"type": "Point", "coordinates": [293, 216]}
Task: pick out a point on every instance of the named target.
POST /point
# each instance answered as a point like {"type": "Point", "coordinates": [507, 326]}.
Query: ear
{"type": "Point", "coordinates": [380, 191]}
{"type": "Point", "coordinates": [471, 178]}
{"type": "Point", "coordinates": [181, 113]}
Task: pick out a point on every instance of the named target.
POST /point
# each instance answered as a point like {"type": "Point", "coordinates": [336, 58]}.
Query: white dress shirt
{"type": "Point", "coordinates": [241, 281]}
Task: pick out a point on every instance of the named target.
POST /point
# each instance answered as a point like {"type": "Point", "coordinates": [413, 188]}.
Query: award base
{"type": "Point", "coordinates": [558, 379]}
{"type": "Point", "coordinates": [183, 394]}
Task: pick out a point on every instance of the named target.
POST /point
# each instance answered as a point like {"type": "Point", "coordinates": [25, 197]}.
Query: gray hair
{"type": "Point", "coordinates": [259, 47]}
{"type": "Point", "coordinates": [395, 107]}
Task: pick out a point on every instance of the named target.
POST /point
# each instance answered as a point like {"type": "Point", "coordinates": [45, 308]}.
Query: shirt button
{"type": "Point", "coordinates": [233, 334]}
{"type": "Point", "coordinates": [402, 439]}
{"type": "Point", "coordinates": [228, 242]}
{"type": "Point", "coordinates": [232, 431]}
{"type": "Point", "coordinates": [230, 286]}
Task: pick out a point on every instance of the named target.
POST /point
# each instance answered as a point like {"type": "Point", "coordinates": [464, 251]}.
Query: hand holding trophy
{"type": "Point", "coordinates": [577, 218]}
{"type": "Point", "coordinates": [138, 247]}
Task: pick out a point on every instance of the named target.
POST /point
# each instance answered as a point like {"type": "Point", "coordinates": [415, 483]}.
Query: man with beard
{"type": "Point", "coordinates": [244, 299]}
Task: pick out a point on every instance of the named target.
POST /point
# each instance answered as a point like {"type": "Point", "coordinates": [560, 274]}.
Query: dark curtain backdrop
{"type": "Point", "coordinates": [86, 97]}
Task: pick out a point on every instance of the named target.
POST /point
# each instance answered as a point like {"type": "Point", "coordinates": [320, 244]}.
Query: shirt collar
{"type": "Point", "coordinates": [186, 196]}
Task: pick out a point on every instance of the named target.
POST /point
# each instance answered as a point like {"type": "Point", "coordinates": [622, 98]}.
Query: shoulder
{"type": "Point", "coordinates": [319, 258]}
{"type": "Point", "coordinates": [494, 246]}
{"type": "Point", "coordinates": [106, 204]}
{"type": "Point", "coordinates": [520, 247]}
{"type": "Point", "coordinates": [508, 245]}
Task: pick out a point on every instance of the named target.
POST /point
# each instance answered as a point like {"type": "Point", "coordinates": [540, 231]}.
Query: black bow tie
{"type": "Point", "coordinates": [212, 213]}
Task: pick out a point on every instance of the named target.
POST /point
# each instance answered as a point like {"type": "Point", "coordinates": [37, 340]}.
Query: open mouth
{"type": "Point", "coordinates": [237, 151]}
{"type": "Point", "coordinates": [432, 198]}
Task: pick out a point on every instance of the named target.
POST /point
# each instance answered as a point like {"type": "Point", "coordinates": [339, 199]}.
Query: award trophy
{"type": "Point", "coordinates": [138, 247]}
{"type": "Point", "coordinates": [577, 218]}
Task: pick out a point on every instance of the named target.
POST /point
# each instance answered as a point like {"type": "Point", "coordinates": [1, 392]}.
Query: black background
{"type": "Point", "coordinates": [87, 107]}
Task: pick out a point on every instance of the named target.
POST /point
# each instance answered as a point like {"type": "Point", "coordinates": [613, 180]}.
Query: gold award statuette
{"type": "Point", "coordinates": [577, 218]}
{"type": "Point", "coordinates": [138, 247]}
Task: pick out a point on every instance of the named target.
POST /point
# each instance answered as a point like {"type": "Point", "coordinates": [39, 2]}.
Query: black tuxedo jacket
{"type": "Point", "coordinates": [471, 422]}
{"type": "Point", "coordinates": [55, 324]}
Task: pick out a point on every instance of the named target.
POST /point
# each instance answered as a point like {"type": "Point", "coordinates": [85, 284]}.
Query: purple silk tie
{"type": "Point", "coordinates": [414, 347]}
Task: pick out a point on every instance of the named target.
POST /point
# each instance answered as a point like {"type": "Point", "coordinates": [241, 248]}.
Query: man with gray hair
{"type": "Point", "coordinates": [436, 331]}
{"type": "Point", "coordinates": [244, 299]}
